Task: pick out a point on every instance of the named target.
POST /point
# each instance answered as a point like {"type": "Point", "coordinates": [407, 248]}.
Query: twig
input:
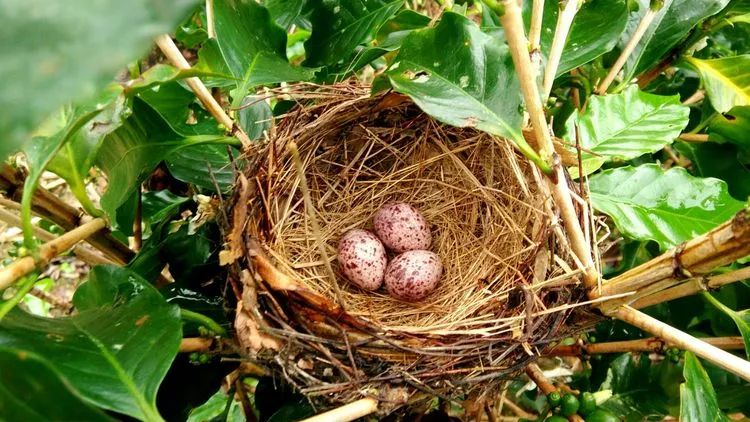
{"type": "Point", "coordinates": [535, 34]}
{"type": "Point", "coordinates": [640, 31]}
{"type": "Point", "coordinates": [47, 205]}
{"type": "Point", "coordinates": [536, 375]}
{"type": "Point", "coordinates": [694, 137]}
{"type": "Point", "coordinates": [691, 287]}
{"type": "Point", "coordinates": [513, 25]}
{"type": "Point", "coordinates": [651, 344]}
{"type": "Point", "coordinates": [697, 97]}
{"type": "Point", "coordinates": [679, 339]}
{"type": "Point", "coordinates": [170, 50]}
{"type": "Point", "coordinates": [210, 25]}
{"type": "Point", "coordinates": [82, 252]}
{"type": "Point", "coordinates": [568, 11]}
{"type": "Point", "coordinates": [23, 266]}
{"type": "Point", "coordinates": [348, 412]}
{"type": "Point", "coordinates": [138, 222]}
{"type": "Point", "coordinates": [51, 299]}
{"type": "Point", "coordinates": [312, 214]}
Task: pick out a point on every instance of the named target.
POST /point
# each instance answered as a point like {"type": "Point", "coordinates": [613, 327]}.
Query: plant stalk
{"type": "Point", "coordinates": [640, 31]}
{"type": "Point", "coordinates": [568, 11]}
{"type": "Point", "coordinates": [681, 340]}
{"type": "Point", "coordinates": [173, 54]}
{"type": "Point", "coordinates": [535, 374]}
{"type": "Point", "coordinates": [692, 286]}
{"type": "Point", "coordinates": [348, 412]}
{"type": "Point", "coordinates": [23, 266]}
{"type": "Point", "coordinates": [651, 344]}
{"type": "Point", "coordinates": [514, 32]}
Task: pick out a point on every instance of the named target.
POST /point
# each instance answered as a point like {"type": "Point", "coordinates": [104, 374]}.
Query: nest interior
{"type": "Point", "coordinates": [509, 281]}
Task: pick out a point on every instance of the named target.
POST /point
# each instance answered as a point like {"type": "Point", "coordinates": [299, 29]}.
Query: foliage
{"type": "Point", "coordinates": [168, 162]}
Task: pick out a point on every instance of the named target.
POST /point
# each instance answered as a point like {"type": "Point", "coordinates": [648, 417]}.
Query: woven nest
{"type": "Point", "coordinates": [509, 286]}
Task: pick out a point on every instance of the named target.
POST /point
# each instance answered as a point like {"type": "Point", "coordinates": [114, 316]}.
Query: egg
{"type": "Point", "coordinates": [402, 227]}
{"type": "Point", "coordinates": [413, 275]}
{"type": "Point", "coordinates": [362, 258]}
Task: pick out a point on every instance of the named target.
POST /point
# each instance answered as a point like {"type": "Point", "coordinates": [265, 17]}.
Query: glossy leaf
{"type": "Point", "coordinates": [134, 150]}
{"type": "Point", "coordinates": [733, 126]}
{"type": "Point", "coordinates": [627, 125]}
{"type": "Point", "coordinates": [284, 12]}
{"type": "Point", "coordinates": [253, 46]}
{"type": "Point", "coordinates": [180, 109]}
{"type": "Point", "coordinates": [710, 159]}
{"type": "Point", "coordinates": [727, 80]}
{"type": "Point", "coordinates": [475, 86]}
{"type": "Point", "coordinates": [215, 407]}
{"type": "Point", "coordinates": [118, 347]}
{"type": "Point", "coordinates": [697, 396]}
{"type": "Point", "coordinates": [596, 29]}
{"type": "Point", "coordinates": [397, 28]}
{"type": "Point", "coordinates": [671, 25]}
{"type": "Point", "coordinates": [200, 165]}
{"type": "Point", "coordinates": [669, 207]}
{"type": "Point", "coordinates": [25, 378]}
{"type": "Point", "coordinates": [164, 73]}
{"type": "Point", "coordinates": [56, 52]}
{"type": "Point", "coordinates": [159, 205]}
{"type": "Point", "coordinates": [740, 318]}
{"type": "Point", "coordinates": [339, 26]}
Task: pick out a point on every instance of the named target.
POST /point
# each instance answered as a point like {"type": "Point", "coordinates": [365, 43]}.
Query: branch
{"type": "Point", "coordinates": [513, 25]}
{"type": "Point", "coordinates": [679, 339]}
{"type": "Point", "coordinates": [651, 344]}
{"type": "Point", "coordinates": [348, 412]}
{"type": "Point", "coordinates": [720, 246]}
{"type": "Point", "coordinates": [48, 206]}
{"type": "Point", "coordinates": [693, 137]}
{"type": "Point", "coordinates": [173, 54]}
{"type": "Point", "coordinates": [691, 287]}
{"type": "Point", "coordinates": [81, 251]}
{"type": "Point", "coordinates": [564, 22]}
{"type": "Point", "coordinates": [536, 375]}
{"type": "Point", "coordinates": [23, 266]}
{"type": "Point", "coordinates": [640, 31]}
{"type": "Point", "coordinates": [535, 34]}
{"type": "Point", "coordinates": [210, 26]}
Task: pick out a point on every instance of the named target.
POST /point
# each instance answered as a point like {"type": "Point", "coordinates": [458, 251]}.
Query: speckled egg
{"type": "Point", "coordinates": [413, 275]}
{"type": "Point", "coordinates": [402, 227]}
{"type": "Point", "coordinates": [362, 258]}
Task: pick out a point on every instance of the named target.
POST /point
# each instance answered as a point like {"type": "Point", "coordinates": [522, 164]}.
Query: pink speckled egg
{"type": "Point", "coordinates": [402, 227]}
{"type": "Point", "coordinates": [362, 258]}
{"type": "Point", "coordinates": [413, 275]}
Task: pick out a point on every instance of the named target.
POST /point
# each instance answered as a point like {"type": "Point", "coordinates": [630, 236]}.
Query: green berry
{"type": "Point", "coordinates": [601, 415]}
{"type": "Point", "coordinates": [569, 405]}
{"type": "Point", "coordinates": [555, 418]}
{"type": "Point", "coordinates": [588, 403]}
{"type": "Point", "coordinates": [554, 398]}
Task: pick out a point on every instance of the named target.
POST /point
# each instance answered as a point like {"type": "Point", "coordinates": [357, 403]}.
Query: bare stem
{"type": "Point", "coordinates": [692, 286]}
{"type": "Point", "coordinates": [651, 344]}
{"type": "Point", "coordinates": [679, 339]}
{"type": "Point", "coordinates": [348, 412]}
{"type": "Point", "coordinates": [210, 25]}
{"type": "Point", "coordinates": [694, 137]}
{"type": "Point", "coordinates": [85, 254]}
{"type": "Point", "coordinates": [629, 47]}
{"type": "Point", "coordinates": [535, 29]}
{"type": "Point", "coordinates": [536, 375]}
{"type": "Point", "coordinates": [513, 25]}
{"type": "Point", "coordinates": [564, 22]}
{"type": "Point", "coordinates": [23, 266]}
{"type": "Point", "coordinates": [170, 50]}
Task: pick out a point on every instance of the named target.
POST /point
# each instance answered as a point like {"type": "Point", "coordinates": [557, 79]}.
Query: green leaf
{"type": "Point", "coordinates": [41, 152]}
{"type": "Point", "coordinates": [727, 80]}
{"type": "Point", "coordinates": [697, 396]}
{"type": "Point", "coordinates": [669, 207]}
{"type": "Point", "coordinates": [397, 28]}
{"type": "Point", "coordinates": [60, 51]}
{"type": "Point", "coordinates": [284, 12]}
{"type": "Point", "coordinates": [732, 126]}
{"type": "Point", "coordinates": [253, 46]}
{"type": "Point", "coordinates": [160, 205]}
{"type": "Point", "coordinates": [200, 165]}
{"type": "Point", "coordinates": [180, 109]}
{"type": "Point", "coordinates": [116, 350]}
{"type": "Point", "coordinates": [710, 159]}
{"type": "Point", "coordinates": [164, 73]}
{"type": "Point", "coordinates": [25, 378]}
{"type": "Point", "coordinates": [136, 148]}
{"type": "Point", "coordinates": [215, 407]}
{"type": "Point", "coordinates": [475, 86]}
{"type": "Point", "coordinates": [595, 31]}
{"type": "Point", "coordinates": [627, 125]}
{"type": "Point", "coordinates": [671, 24]}
{"type": "Point", "coordinates": [339, 26]}
{"type": "Point", "coordinates": [740, 318]}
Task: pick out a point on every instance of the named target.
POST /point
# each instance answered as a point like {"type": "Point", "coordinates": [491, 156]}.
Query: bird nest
{"type": "Point", "coordinates": [509, 287]}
